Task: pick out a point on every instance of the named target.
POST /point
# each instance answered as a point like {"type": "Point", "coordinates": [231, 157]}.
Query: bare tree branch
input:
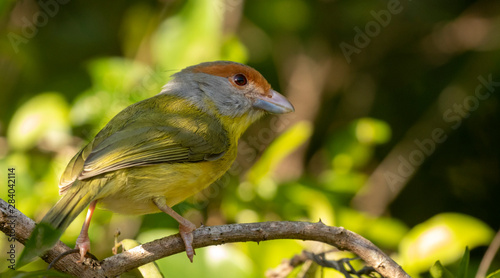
{"type": "Point", "coordinates": [207, 236]}
{"type": "Point", "coordinates": [14, 222]}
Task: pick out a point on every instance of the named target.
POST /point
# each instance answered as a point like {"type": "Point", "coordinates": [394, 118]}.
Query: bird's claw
{"type": "Point", "coordinates": [186, 232]}
{"type": "Point", "coordinates": [83, 244]}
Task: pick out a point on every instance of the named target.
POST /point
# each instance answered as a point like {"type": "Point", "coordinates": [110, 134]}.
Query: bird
{"type": "Point", "coordinates": [159, 151]}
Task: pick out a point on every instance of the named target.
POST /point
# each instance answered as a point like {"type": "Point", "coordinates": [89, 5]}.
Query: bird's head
{"type": "Point", "coordinates": [235, 91]}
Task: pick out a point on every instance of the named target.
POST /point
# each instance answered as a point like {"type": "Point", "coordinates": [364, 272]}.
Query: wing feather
{"type": "Point", "coordinates": [177, 133]}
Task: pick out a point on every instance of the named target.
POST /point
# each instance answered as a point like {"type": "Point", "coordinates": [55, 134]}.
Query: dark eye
{"type": "Point", "coordinates": [240, 79]}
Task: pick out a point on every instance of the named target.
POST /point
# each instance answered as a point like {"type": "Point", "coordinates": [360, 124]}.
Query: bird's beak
{"type": "Point", "coordinates": [274, 103]}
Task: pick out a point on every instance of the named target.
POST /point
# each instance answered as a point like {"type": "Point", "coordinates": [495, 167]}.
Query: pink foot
{"type": "Point", "coordinates": [186, 228]}
{"type": "Point", "coordinates": [82, 243]}
{"type": "Point", "coordinates": [186, 233]}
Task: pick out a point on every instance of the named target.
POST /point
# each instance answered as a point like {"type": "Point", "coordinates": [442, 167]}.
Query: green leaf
{"type": "Point", "coordinates": [443, 237]}
{"type": "Point", "coordinates": [372, 131]}
{"type": "Point", "coordinates": [353, 147]}
{"type": "Point", "coordinates": [321, 209]}
{"type": "Point", "coordinates": [119, 76]}
{"type": "Point", "coordinates": [234, 50]}
{"type": "Point", "coordinates": [191, 36]}
{"type": "Point", "coordinates": [495, 274]}
{"type": "Point", "coordinates": [44, 117]}
{"type": "Point", "coordinates": [285, 144]}
{"type": "Point", "coordinates": [44, 236]}
{"type": "Point", "coordinates": [116, 83]}
{"type": "Point", "coordinates": [439, 271]}
{"type": "Point", "coordinates": [464, 264]}
{"type": "Point", "coordinates": [385, 232]}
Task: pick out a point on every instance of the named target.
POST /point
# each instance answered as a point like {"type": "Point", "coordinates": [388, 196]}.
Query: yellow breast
{"type": "Point", "coordinates": [130, 191]}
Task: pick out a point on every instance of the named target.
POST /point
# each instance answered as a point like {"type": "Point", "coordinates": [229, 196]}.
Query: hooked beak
{"type": "Point", "coordinates": [274, 103]}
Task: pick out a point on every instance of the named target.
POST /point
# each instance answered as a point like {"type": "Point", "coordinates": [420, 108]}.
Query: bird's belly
{"type": "Point", "coordinates": [131, 190]}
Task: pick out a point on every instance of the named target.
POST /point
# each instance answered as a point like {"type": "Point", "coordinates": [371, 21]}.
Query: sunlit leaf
{"type": "Point", "coordinates": [353, 147]}
{"type": "Point", "coordinates": [44, 118]}
{"type": "Point", "coordinates": [314, 201]}
{"type": "Point", "coordinates": [443, 237]}
{"type": "Point", "coordinates": [191, 36]}
{"type": "Point", "coordinates": [372, 131]}
{"type": "Point", "coordinates": [340, 181]}
{"type": "Point", "coordinates": [495, 274]}
{"type": "Point", "coordinates": [234, 50]}
{"type": "Point", "coordinates": [116, 83]}
{"type": "Point", "coordinates": [280, 148]}
{"type": "Point", "coordinates": [384, 231]}
{"type": "Point", "coordinates": [117, 76]}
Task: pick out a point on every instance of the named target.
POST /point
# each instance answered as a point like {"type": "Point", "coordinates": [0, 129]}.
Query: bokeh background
{"type": "Point", "coordinates": [395, 134]}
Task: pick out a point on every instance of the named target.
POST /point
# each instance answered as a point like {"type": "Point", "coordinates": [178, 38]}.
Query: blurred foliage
{"type": "Point", "coordinates": [410, 68]}
{"type": "Point", "coordinates": [442, 238]}
{"type": "Point", "coordinates": [439, 271]}
{"type": "Point", "coordinates": [495, 274]}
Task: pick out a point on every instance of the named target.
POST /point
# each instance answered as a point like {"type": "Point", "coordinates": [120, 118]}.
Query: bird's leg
{"type": "Point", "coordinates": [186, 228]}
{"type": "Point", "coordinates": [83, 241]}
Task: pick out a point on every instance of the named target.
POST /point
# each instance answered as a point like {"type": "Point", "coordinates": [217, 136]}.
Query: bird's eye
{"type": "Point", "coordinates": [240, 79]}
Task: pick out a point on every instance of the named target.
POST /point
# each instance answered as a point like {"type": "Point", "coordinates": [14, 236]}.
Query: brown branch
{"type": "Point", "coordinates": [12, 221]}
{"type": "Point", "coordinates": [207, 236]}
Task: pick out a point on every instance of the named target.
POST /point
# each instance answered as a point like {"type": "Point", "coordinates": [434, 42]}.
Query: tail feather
{"type": "Point", "coordinates": [68, 208]}
{"type": "Point", "coordinates": [50, 229]}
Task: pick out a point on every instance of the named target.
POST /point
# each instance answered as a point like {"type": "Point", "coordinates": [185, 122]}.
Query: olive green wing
{"type": "Point", "coordinates": [138, 145]}
{"type": "Point", "coordinates": [74, 168]}
{"type": "Point", "coordinates": [147, 146]}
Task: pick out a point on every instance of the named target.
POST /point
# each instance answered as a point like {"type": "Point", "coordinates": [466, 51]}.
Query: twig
{"type": "Point", "coordinates": [488, 256]}
{"type": "Point", "coordinates": [207, 236]}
